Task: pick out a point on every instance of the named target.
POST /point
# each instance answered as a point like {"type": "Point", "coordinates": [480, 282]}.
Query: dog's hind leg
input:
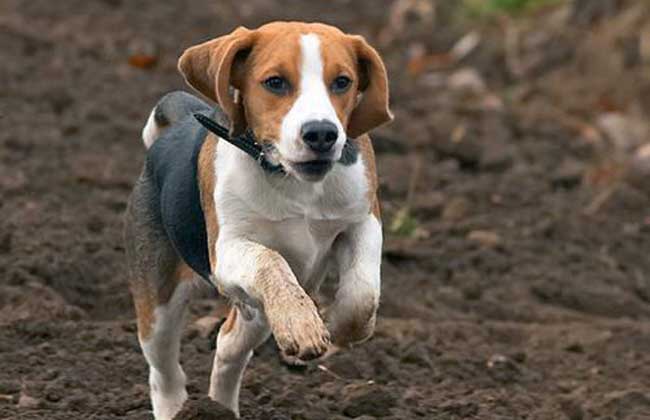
{"type": "Point", "coordinates": [237, 338]}
{"type": "Point", "coordinates": [161, 286]}
{"type": "Point", "coordinates": [161, 349]}
{"type": "Point", "coordinates": [160, 325]}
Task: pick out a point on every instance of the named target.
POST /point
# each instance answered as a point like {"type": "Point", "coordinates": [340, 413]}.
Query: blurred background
{"type": "Point", "coordinates": [514, 185]}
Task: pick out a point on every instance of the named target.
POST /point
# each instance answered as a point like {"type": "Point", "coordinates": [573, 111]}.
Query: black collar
{"type": "Point", "coordinates": [245, 142]}
{"type": "Point", "coordinates": [248, 144]}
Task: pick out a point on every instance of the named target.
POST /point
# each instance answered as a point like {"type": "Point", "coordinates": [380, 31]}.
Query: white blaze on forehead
{"type": "Point", "coordinates": [312, 103]}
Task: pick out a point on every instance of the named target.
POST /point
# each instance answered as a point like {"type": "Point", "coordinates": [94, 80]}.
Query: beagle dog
{"type": "Point", "coordinates": [204, 209]}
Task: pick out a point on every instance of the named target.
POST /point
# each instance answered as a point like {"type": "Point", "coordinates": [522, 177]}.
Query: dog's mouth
{"type": "Point", "coordinates": [312, 170]}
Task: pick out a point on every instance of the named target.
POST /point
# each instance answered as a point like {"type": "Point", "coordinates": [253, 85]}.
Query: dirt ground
{"type": "Point", "coordinates": [516, 277]}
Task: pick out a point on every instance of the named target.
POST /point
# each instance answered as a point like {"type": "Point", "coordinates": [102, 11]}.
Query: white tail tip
{"type": "Point", "coordinates": [150, 132]}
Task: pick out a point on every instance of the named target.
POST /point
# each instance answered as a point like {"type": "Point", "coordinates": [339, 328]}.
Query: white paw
{"type": "Point", "coordinates": [166, 406]}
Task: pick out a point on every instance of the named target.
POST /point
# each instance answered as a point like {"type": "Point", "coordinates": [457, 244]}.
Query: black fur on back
{"type": "Point", "coordinates": [171, 170]}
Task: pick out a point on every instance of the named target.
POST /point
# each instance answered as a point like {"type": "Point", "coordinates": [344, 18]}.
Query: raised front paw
{"type": "Point", "coordinates": [299, 330]}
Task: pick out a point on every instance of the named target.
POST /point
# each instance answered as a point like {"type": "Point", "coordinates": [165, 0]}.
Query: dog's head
{"type": "Point", "coordinates": [301, 88]}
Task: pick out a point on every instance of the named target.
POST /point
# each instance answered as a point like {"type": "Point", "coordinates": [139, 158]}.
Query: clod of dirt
{"type": "Point", "coordinates": [367, 399]}
{"type": "Point", "coordinates": [484, 238]}
{"type": "Point", "coordinates": [204, 409]}
{"type": "Point", "coordinates": [568, 174]}
{"type": "Point", "coordinates": [456, 209]}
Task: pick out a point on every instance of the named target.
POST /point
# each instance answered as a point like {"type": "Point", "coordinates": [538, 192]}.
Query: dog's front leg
{"type": "Point", "coordinates": [351, 318]}
{"type": "Point", "coordinates": [260, 277]}
{"type": "Point", "coordinates": [267, 297]}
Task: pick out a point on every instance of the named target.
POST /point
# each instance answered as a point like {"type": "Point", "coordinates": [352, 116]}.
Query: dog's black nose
{"type": "Point", "coordinates": [320, 136]}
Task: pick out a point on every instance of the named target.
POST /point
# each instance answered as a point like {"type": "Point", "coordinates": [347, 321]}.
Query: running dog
{"type": "Point", "coordinates": [264, 230]}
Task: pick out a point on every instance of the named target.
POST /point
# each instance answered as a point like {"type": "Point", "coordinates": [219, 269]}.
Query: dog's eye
{"type": "Point", "coordinates": [341, 84]}
{"type": "Point", "coordinates": [277, 85]}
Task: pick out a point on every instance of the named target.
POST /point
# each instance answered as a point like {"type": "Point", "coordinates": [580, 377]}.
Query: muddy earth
{"type": "Point", "coordinates": [516, 277]}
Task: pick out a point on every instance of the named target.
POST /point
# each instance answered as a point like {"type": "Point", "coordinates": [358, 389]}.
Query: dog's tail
{"type": "Point", "coordinates": [170, 108]}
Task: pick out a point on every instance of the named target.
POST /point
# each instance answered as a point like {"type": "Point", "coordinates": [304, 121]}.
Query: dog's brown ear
{"type": "Point", "coordinates": [211, 67]}
{"type": "Point", "coordinates": [372, 109]}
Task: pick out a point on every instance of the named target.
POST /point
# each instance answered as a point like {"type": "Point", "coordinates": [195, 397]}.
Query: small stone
{"type": "Point", "coordinates": [485, 238]}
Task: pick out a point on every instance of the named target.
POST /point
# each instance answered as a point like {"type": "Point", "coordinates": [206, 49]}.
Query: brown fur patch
{"type": "Point", "coordinates": [372, 111]}
{"type": "Point", "coordinates": [207, 181]}
{"type": "Point", "coordinates": [266, 110]}
{"type": "Point", "coordinates": [146, 298]}
{"type": "Point", "coordinates": [210, 68]}
{"type": "Point", "coordinates": [229, 324]}
{"type": "Point", "coordinates": [368, 156]}
{"type": "Point", "coordinates": [145, 301]}
{"type": "Point", "coordinates": [182, 272]}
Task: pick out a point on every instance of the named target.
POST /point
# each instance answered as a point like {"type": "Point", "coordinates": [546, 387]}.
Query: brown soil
{"type": "Point", "coordinates": [519, 286]}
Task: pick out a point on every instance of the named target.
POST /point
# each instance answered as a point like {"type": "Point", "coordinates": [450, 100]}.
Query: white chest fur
{"type": "Point", "coordinates": [299, 220]}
